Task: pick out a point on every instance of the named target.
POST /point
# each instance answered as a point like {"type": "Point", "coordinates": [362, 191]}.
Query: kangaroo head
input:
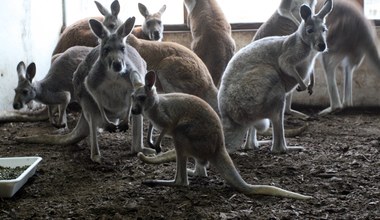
{"type": "Point", "coordinates": [145, 96]}
{"type": "Point", "coordinates": [112, 45]}
{"type": "Point", "coordinates": [110, 18]}
{"type": "Point", "coordinates": [152, 26]}
{"type": "Point", "coordinates": [25, 92]}
{"type": "Point", "coordinates": [313, 29]}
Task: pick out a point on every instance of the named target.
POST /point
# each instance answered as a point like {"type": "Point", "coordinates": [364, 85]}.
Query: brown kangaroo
{"type": "Point", "coordinates": [197, 133]}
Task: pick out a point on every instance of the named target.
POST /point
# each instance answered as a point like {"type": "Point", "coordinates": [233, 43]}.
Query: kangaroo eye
{"type": "Point", "coordinates": [106, 50]}
{"type": "Point", "coordinates": [310, 30]}
{"type": "Point", "coordinates": [122, 49]}
{"type": "Point", "coordinates": [25, 92]}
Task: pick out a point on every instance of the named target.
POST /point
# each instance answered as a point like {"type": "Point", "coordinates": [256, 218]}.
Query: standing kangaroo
{"type": "Point", "coordinates": [103, 84]}
{"type": "Point", "coordinates": [351, 37]}
{"type": "Point", "coordinates": [211, 32]}
{"type": "Point", "coordinates": [55, 89]}
{"type": "Point", "coordinates": [80, 33]}
{"type": "Point", "coordinates": [284, 21]}
{"type": "Point", "coordinates": [259, 76]}
{"type": "Point", "coordinates": [197, 133]}
{"type": "Point", "coordinates": [152, 27]}
{"type": "Point", "coordinates": [178, 70]}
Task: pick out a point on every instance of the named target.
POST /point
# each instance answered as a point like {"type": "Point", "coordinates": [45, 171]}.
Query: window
{"type": "Point", "coordinates": [372, 9]}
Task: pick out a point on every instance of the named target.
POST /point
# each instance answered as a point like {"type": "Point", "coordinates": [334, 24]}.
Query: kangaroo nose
{"type": "Point", "coordinates": [116, 65]}
{"type": "Point", "coordinates": [16, 106]}
{"type": "Point", "coordinates": [156, 35]}
{"type": "Point", "coordinates": [321, 47]}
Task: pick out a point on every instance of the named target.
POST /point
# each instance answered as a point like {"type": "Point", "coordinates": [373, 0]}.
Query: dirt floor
{"type": "Point", "coordinates": [340, 168]}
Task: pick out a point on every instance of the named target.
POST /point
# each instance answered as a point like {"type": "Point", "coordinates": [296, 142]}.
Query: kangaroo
{"type": "Point", "coordinates": [152, 27]}
{"type": "Point", "coordinates": [178, 69]}
{"type": "Point", "coordinates": [55, 89]}
{"type": "Point", "coordinates": [260, 75]}
{"type": "Point", "coordinates": [197, 132]}
{"type": "Point", "coordinates": [284, 21]}
{"type": "Point", "coordinates": [211, 32]}
{"type": "Point", "coordinates": [351, 37]}
{"type": "Point", "coordinates": [103, 84]}
{"type": "Point", "coordinates": [80, 33]}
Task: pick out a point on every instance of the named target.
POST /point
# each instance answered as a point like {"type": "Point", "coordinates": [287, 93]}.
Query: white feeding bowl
{"type": "Point", "coordinates": [9, 187]}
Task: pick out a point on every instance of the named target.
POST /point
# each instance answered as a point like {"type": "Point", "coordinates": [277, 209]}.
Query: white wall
{"type": "Point", "coordinates": [29, 32]}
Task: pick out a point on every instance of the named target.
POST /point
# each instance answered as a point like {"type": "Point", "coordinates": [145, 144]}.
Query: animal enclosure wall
{"type": "Point", "coordinates": [30, 29]}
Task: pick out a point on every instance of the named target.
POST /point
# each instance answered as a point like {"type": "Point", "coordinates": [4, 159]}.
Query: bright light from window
{"type": "Point", "coordinates": [372, 9]}
{"type": "Point", "coordinates": [246, 11]}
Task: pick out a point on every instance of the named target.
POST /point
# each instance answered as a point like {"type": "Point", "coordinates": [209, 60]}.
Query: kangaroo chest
{"type": "Point", "coordinates": [111, 91]}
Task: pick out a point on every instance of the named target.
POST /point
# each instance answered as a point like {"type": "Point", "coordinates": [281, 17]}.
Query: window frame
{"type": "Point", "coordinates": [236, 26]}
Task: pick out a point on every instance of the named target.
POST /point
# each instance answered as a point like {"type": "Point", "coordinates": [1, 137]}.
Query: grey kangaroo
{"type": "Point", "coordinates": [152, 28]}
{"type": "Point", "coordinates": [284, 21]}
{"type": "Point", "coordinates": [259, 76]}
{"type": "Point", "coordinates": [55, 89]}
{"type": "Point", "coordinates": [197, 133]}
{"type": "Point", "coordinates": [103, 84]}
{"type": "Point", "coordinates": [80, 33]}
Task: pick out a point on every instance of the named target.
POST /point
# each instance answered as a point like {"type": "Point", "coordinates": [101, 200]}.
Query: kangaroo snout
{"type": "Point", "coordinates": [117, 66]}
{"type": "Point", "coordinates": [321, 47]}
{"type": "Point", "coordinates": [156, 35]}
{"type": "Point", "coordinates": [136, 110]}
{"type": "Point", "coordinates": [17, 105]}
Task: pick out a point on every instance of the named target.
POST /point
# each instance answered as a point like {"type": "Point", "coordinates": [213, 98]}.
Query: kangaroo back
{"type": "Point", "coordinates": [211, 32]}
{"type": "Point", "coordinates": [80, 33]}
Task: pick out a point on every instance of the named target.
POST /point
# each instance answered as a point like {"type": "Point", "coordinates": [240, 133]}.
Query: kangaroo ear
{"type": "Point", "coordinates": [21, 69]}
{"type": "Point", "coordinates": [102, 9]}
{"type": "Point", "coordinates": [143, 10]}
{"type": "Point", "coordinates": [115, 8]}
{"type": "Point", "coordinates": [98, 29]}
{"type": "Point", "coordinates": [150, 79]}
{"type": "Point", "coordinates": [326, 9]}
{"type": "Point", "coordinates": [126, 28]}
{"type": "Point", "coordinates": [305, 12]}
{"type": "Point", "coordinates": [162, 9]}
{"type": "Point", "coordinates": [30, 72]}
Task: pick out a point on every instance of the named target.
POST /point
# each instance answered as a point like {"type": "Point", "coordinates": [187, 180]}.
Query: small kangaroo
{"type": "Point", "coordinates": [103, 84]}
{"type": "Point", "coordinates": [260, 75]}
{"type": "Point", "coordinates": [197, 133]}
{"type": "Point", "coordinates": [211, 32]}
{"type": "Point", "coordinates": [152, 27]}
{"type": "Point", "coordinates": [80, 33]}
{"type": "Point", "coordinates": [284, 21]}
{"type": "Point", "coordinates": [55, 89]}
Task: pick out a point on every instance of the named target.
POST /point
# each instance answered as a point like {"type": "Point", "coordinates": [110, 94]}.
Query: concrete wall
{"type": "Point", "coordinates": [29, 31]}
{"type": "Point", "coordinates": [366, 85]}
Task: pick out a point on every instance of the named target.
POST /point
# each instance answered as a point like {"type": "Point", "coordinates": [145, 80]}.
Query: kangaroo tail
{"type": "Point", "coordinates": [168, 156]}
{"type": "Point", "coordinates": [80, 131]}
{"type": "Point", "coordinates": [16, 116]}
{"type": "Point", "coordinates": [288, 132]}
{"type": "Point", "coordinates": [226, 168]}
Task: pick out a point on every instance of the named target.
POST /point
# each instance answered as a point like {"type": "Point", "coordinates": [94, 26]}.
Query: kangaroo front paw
{"type": "Point", "coordinates": [301, 88]}
{"type": "Point", "coordinates": [310, 89]}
